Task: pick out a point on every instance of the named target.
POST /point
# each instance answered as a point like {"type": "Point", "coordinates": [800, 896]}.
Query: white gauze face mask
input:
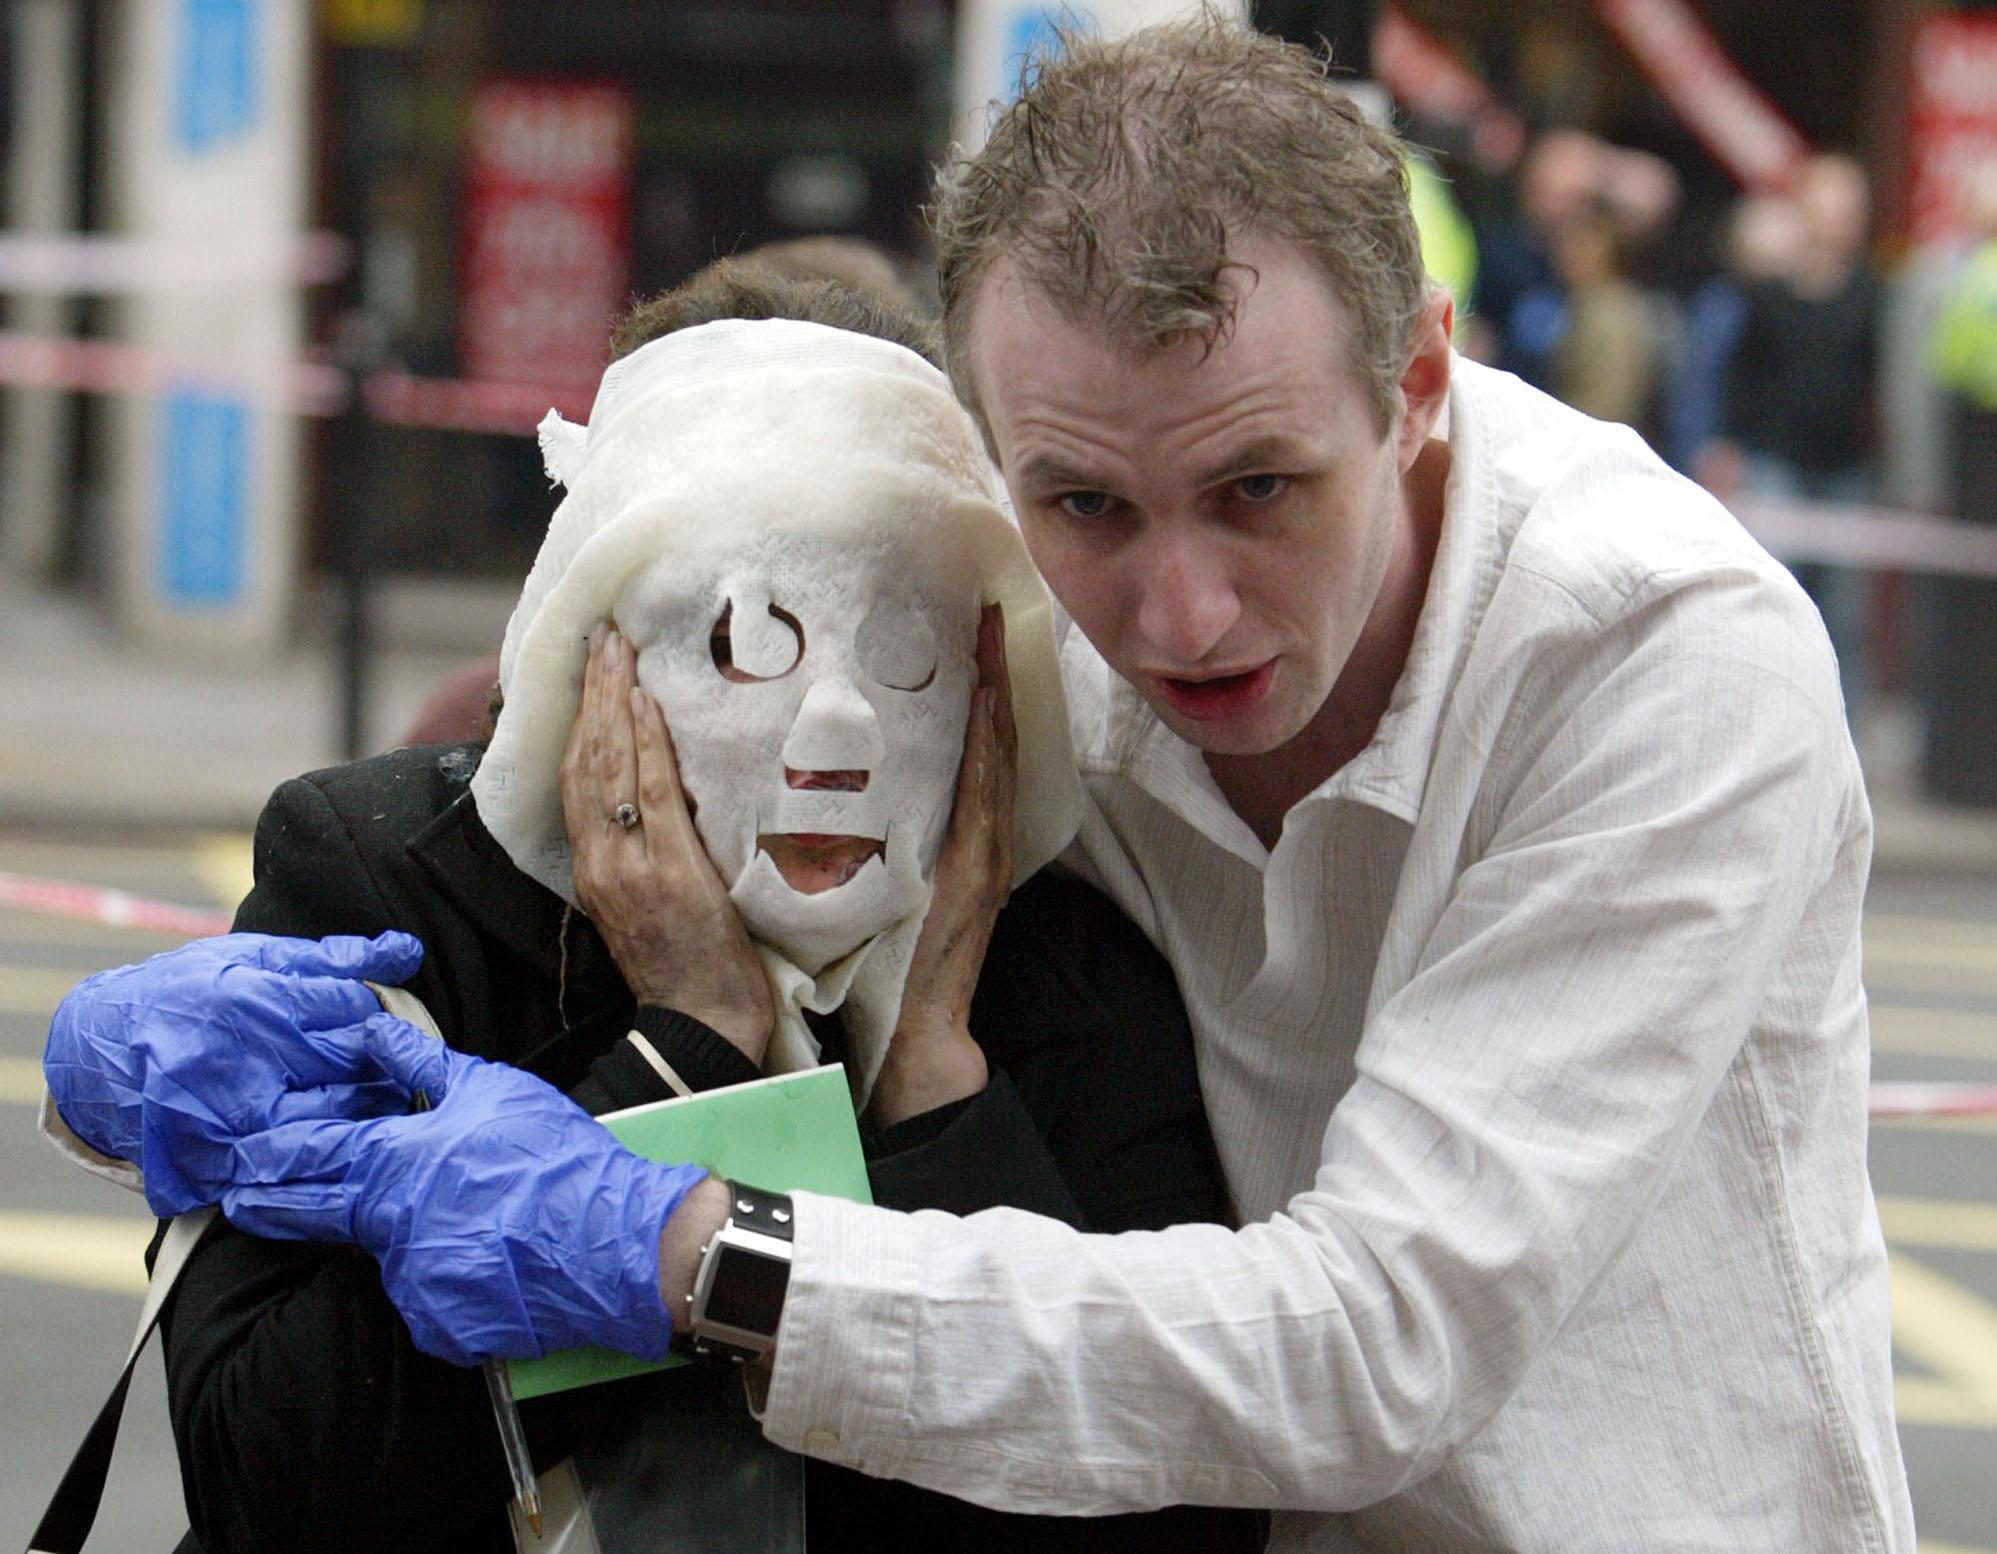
{"type": "Point", "coordinates": [817, 691]}
{"type": "Point", "coordinates": [824, 493]}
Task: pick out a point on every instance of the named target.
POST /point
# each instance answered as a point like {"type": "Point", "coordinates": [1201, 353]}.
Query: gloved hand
{"type": "Point", "coordinates": [167, 1063]}
{"type": "Point", "coordinates": [507, 1220]}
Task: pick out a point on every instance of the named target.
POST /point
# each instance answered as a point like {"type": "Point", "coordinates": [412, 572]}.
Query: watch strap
{"type": "Point", "coordinates": [754, 1209]}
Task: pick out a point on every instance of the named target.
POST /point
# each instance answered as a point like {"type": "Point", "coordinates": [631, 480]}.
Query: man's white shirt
{"type": "Point", "coordinates": [1536, 1055]}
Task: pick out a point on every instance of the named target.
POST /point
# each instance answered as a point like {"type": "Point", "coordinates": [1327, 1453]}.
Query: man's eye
{"type": "Point", "coordinates": [1261, 488]}
{"type": "Point", "coordinates": [1084, 504]}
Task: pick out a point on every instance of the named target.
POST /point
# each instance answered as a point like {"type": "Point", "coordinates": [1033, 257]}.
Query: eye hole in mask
{"type": "Point", "coordinates": [898, 649]}
{"type": "Point", "coordinates": [721, 646]}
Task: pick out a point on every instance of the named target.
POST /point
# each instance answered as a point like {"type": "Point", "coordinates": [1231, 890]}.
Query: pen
{"type": "Point", "coordinates": [526, 1492]}
{"type": "Point", "coordinates": [506, 1413]}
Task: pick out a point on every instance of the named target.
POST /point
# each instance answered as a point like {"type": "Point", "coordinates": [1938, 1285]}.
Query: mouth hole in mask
{"type": "Point", "coordinates": [826, 782]}
{"type": "Point", "coordinates": [813, 863]}
{"type": "Point", "coordinates": [721, 646]}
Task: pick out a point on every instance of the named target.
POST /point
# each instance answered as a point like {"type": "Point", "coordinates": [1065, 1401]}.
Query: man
{"type": "Point", "coordinates": [1489, 793]}
{"type": "Point", "coordinates": [1815, 322]}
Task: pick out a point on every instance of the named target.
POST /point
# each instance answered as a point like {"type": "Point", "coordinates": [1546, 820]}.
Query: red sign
{"type": "Point", "coordinates": [546, 229]}
{"type": "Point", "coordinates": [1952, 119]}
{"type": "Point", "coordinates": [1691, 71]}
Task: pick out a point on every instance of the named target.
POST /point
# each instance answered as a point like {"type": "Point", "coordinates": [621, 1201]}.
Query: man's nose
{"type": "Point", "coordinates": [1188, 602]}
{"type": "Point", "coordinates": [835, 730]}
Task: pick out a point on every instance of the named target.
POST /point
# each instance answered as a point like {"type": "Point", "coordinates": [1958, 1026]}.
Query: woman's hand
{"type": "Point", "coordinates": [933, 1059]}
{"type": "Point", "coordinates": [649, 885]}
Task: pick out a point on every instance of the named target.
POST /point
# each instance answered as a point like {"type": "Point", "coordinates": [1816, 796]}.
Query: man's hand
{"type": "Point", "coordinates": [649, 886]}
{"type": "Point", "coordinates": [507, 1220]}
{"type": "Point", "coordinates": [167, 1063]}
{"type": "Point", "coordinates": [933, 1059]}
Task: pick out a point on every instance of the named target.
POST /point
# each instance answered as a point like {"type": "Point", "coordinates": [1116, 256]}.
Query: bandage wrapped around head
{"type": "Point", "coordinates": [796, 527]}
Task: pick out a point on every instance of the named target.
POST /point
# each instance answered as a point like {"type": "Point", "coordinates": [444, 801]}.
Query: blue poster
{"type": "Point", "coordinates": [1031, 33]}
{"type": "Point", "coordinates": [204, 472]}
{"type": "Point", "coordinates": [215, 90]}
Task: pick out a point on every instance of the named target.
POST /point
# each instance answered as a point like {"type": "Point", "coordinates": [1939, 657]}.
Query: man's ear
{"type": "Point", "coordinates": [1425, 380]}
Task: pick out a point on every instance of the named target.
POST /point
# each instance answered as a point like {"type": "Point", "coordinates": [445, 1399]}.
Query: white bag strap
{"type": "Point", "coordinates": [73, 1508]}
{"type": "Point", "coordinates": [72, 1511]}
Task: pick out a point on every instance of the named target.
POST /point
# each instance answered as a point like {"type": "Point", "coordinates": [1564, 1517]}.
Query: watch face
{"type": "Point", "coordinates": [748, 1290]}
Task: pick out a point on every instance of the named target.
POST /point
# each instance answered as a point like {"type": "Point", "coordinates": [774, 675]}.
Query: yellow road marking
{"type": "Point", "coordinates": [1930, 952]}
{"type": "Point", "coordinates": [137, 866]}
{"type": "Point", "coordinates": [91, 1251]}
{"type": "Point", "coordinates": [222, 861]}
{"type": "Point", "coordinates": [1952, 1334]}
{"type": "Point", "coordinates": [1936, 1033]}
{"type": "Point", "coordinates": [1960, 930]}
{"type": "Point", "coordinates": [28, 931]}
{"type": "Point", "coordinates": [20, 1082]}
{"type": "Point", "coordinates": [1921, 1400]}
{"type": "Point", "coordinates": [1935, 976]}
{"type": "Point", "coordinates": [33, 991]}
{"type": "Point", "coordinates": [1958, 1224]}
{"type": "Point", "coordinates": [1929, 1546]}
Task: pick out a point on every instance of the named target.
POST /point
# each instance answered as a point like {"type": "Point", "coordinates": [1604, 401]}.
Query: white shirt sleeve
{"type": "Point", "coordinates": [1673, 789]}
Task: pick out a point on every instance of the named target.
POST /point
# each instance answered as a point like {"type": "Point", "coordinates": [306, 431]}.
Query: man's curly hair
{"type": "Point", "coordinates": [1118, 177]}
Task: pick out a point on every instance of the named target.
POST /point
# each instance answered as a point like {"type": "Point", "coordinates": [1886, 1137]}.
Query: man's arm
{"type": "Point", "coordinates": [1522, 1102]}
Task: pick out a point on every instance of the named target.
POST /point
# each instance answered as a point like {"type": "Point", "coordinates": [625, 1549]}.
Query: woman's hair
{"type": "Point", "coordinates": [1119, 177]}
{"type": "Point", "coordinates": [745, 289]}
{"type": "Point", "coordinates": [837, 256]}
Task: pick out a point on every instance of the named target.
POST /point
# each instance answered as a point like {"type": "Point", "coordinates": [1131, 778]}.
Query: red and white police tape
{"type": "Point", "coordinates": [76, 264]}
{"type": "Point", "coordinates": [304, 387]}
{"type": "Point", "coordinates": [1868, 538]}
{"type": "Point", "coordinates": [1873, 539]}
{"type": "Point", "coordinates": [109, 367]}
{"type": "Point", "coordinates": [120, 909]}
{"type": "Point", "coordinates": [112, 908]}
{"type": "Point", "coordinates": [1939, 1099]}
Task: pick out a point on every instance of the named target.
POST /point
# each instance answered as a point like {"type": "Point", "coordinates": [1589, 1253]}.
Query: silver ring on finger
{"type": "Point", "coordinates": [627, 816]}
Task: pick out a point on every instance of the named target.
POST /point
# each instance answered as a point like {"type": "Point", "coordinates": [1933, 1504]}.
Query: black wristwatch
{"type": "Point", "coordinates": [738, 1294]}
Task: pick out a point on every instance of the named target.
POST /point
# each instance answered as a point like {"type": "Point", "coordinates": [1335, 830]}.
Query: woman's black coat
{"type": "Point", "coordinates": [307, 1420]}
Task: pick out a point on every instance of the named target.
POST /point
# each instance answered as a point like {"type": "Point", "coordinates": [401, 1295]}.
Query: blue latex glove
{"type": "Point", "coordinates": [167, 1063]}
{"type": "Point", "coordinates": [507, 1220]}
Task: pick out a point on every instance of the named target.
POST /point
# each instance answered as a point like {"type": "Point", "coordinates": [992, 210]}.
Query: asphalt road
{"type": "Point", "coordinates": [70, 1273]}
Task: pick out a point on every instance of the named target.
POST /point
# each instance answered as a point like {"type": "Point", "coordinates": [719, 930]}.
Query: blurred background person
{"type": "Point", "coordinates": [1763, 240]}
{"type": "Point", "coordinates": [1556, 298]}
{"type": "Point", "coordinates": [1797, 412]}
{"type": "Point", "coordinates": [1962, 727]}
{"type": "Point", "coordinates": [1520, 299]}
{"type": "Point", "coordinates": [1610, 359]}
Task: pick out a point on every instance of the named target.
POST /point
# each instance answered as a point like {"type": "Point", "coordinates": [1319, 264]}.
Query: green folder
{"type": "Point", "coordinates": [793, 1131]}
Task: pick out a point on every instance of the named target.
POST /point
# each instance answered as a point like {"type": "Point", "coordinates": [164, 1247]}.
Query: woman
{"type": "Point", "coordinates": [819, 690]}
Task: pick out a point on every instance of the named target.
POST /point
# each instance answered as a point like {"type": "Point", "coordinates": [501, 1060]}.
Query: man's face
{"type": "Point", "coordinates": [817, 694]}
{"type": "Point", "coordinates": [1219, 525]}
